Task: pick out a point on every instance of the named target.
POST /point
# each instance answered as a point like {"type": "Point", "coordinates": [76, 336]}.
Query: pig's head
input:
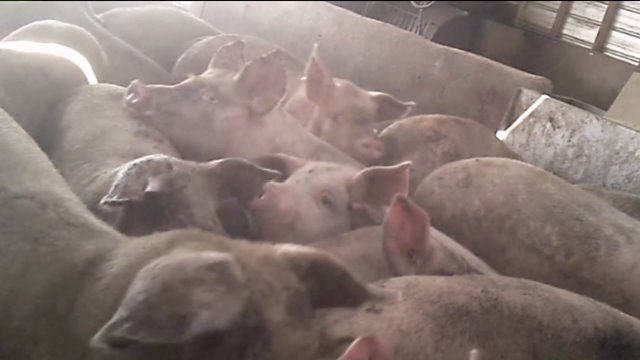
{"type": "Point", "coordinates": [247, 302]}
{"type": "Point", "coordinates": [207, 114]}
{"type": "Point", "coordinates": [320, 199]}
{"type": "Point", "coordinates": [344, 114]}
{"type": "Point", "coordinates": [159, 192]}
{"type": "Point", "coordinates": [412, 247]}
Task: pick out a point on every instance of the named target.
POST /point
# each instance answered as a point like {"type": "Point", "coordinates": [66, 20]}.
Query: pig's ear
{"type": "Point", "coordinates": [405, 239]}
{"type": "Point", "coordinates": [377, 185]}
{"type": "Point", "coordinates": [329, 283]}
{"type": "Point", "coordinates": [175, 299]}
{"type": "Point", "coordinates": [229, 56]}
{"type": "Point", "coordinates": [318, 80]}
{"type": "Point", "coordinates": [372, 189]}
{"type": "Point", "coordinates": [368, 347]}
{"type": "Point", "coordinates": [389, 107]}
{"type": "Point", "coordinates": [283, 163]}
{"type": "Point", "coordinates": [239, 178]}
{"type": "Point", "coordinates": [263, 82]}
{"type": "Point", "coordinates": [139, 178]}
{"type": "Point", "coordinates": [234, 218]}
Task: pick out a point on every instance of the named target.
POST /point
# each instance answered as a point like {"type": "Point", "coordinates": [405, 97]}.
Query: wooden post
{"type": "Point", "coordinates": [606, 25]}
{"type": "Point", "coordinates": [561, 18]}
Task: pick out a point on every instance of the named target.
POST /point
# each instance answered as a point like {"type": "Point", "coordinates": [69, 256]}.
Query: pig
{"type": "Point", "coordinates": [447, 317]}
{"type": "Point", "coordinates": [34, 77]}
{"type": "Point", "coordinates": [628, 203]}
{"type": "Point", "coordinates": [405, 244]}
{"type": "Point", "coordinates": [430, 141]}
{"type": "Point", "coordinates": [130, 176]}
{"type": "Point", "coordinates": [244, 300]}
{"type": "Point", "coordinates": [124, 62]}
{"type": "Point", "coordinates": [181, 294]}
{"type": "Point", "coordinates": [314, 199]}
{"type": "Point", "coordinates": [342, 113]}
{"type": "Point", "coordinates": [229, 113]}
{"type": "Point", "coordinates": [139, 26]}
{"type": "Point", "coordinates": [69, 35]}
{"type": "Point", "coordinates": [197, 57]}
{"type": "Point", "coordinates": [526, 222]}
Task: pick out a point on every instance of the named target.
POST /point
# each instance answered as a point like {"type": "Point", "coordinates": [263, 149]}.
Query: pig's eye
{"type": "Point", "coordinates": [325, 199]}
{"type": "Point", "coordinates": [208, 97]}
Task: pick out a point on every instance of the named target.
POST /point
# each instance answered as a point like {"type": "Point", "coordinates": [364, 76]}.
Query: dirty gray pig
{"type": "Point", "coordinates": [447, 317]}
{"type": "Point", "coordinates": [178, 295]}
{"type": "Point", "coordinates": [526, 222]}
{"type": "Point", "coordinates": [430, 141]}
{"type": "Point", "coordinates": [125, 62]}
{"type": "Point", "coordinates": [131, 176]}
{"type": "Point", "coordinates": [628, 203]}
{"type": "Point", "coordinates": [35, 77]}
{"type": "Point", "coordinates": [139, 26]}
{"type": "Point", "coordinates": [72, 36]}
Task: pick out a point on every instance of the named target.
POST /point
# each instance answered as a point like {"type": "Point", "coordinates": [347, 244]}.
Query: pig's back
{"type": "Point", "coordinates": [94, 135]}
{"type": "Point", "coordinates": [628, 203]}
{"type": "Point", "coordinates": [526, 222]}
{"type": "Point", "coordinates": [32, 81]}
{"type": "Point", "coordinates": [446, 317]}
{"type": "Point", "coordinates": [359, 250]}
{"type": "Point", "coordinates": [431, 141]}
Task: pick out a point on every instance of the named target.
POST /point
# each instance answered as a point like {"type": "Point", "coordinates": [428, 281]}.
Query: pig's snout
{"type": "Point", "coordinates": [369, 150]}
{"type": "Point", "coordinates": [137, 96]}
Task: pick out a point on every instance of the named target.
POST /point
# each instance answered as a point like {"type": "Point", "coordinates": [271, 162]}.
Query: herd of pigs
{"type": "Point", "coordinates": [173, 192]}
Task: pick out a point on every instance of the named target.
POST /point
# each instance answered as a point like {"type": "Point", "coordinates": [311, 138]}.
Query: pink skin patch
{"type": "Point", "coordinates": [370, 150]}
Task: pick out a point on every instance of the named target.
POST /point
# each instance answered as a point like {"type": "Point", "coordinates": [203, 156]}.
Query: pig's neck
{"type": "Point", "coordinates": [280, 132]}
{"type": "Point", "coordinates": [51, 247]}
{"type": "Point", "coordinates": [54, 230]}
{"type": "Point", "coordinates": [361, 250]}
{"type": "Point", "coordinates": [451, 246]}
{"type": "Point", "coordinates": [114, 274]}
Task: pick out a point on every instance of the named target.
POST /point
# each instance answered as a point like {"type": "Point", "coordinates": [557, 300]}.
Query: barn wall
{"type": "Point", "coordinates": [567, 60]}
{"type": "Point", "coordinates": [575, 71]}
